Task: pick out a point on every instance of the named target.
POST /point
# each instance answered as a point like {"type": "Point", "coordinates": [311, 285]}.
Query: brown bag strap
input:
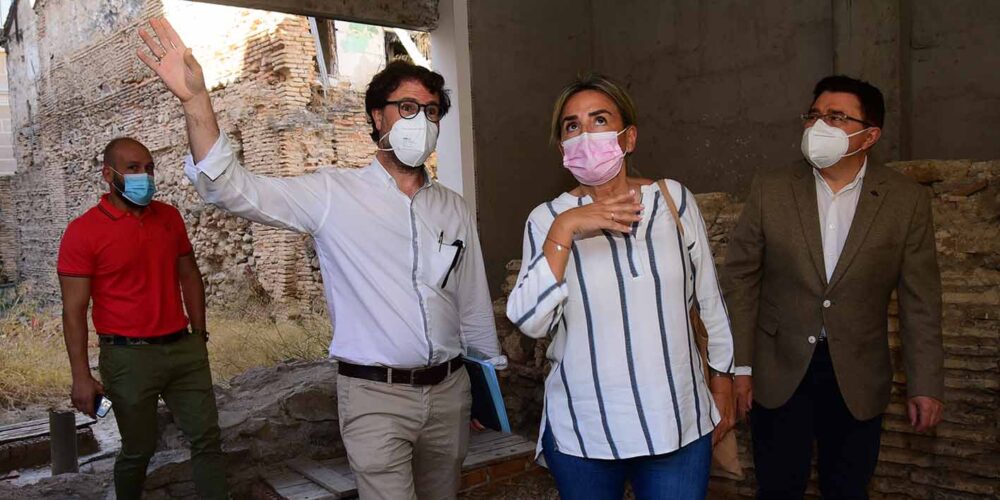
{"type": "Point", "coordinates": [670, 203]}
{"type": "Point", "coordinates": [700, 333]}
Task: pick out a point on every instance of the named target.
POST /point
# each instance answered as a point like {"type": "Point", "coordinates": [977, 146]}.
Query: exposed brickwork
{"type": "Point", "coordinates": [961, 459]}
{"type": "Point", "coordinates": [267, 97]}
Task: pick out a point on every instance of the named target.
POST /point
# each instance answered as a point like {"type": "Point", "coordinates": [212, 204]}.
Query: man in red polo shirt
{"type": "Point", "coordinates": [132, 257]}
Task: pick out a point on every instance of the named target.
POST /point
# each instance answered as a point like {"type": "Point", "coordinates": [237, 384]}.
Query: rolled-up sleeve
{"type": "Point", "coordinates": [298, 203]}
{"type": "Point", "coordinates": [712, 307]}
{"type": "Point", "coordinates": [536, 304]}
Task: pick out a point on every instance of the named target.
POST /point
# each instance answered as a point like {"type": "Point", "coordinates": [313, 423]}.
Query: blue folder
{"type": "Point", "coordinates": [487, 402]}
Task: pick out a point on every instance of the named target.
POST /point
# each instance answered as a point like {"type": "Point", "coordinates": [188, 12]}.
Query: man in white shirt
{"type": "Point", "coordinates": [810, 270]}
{"type": "Point", "coordinates": [401, 263]}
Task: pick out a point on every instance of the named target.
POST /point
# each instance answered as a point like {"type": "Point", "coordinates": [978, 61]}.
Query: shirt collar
{"type": "Point", "coordinates": [109, 209]}
{"type": "Point", "coordinates": [377, 172]}
{"type": "Point", "coordinates": [854, 183]}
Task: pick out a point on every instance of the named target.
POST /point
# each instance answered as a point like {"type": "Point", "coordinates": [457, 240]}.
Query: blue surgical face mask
{"type": "Point", "coordinates": [139, 188]}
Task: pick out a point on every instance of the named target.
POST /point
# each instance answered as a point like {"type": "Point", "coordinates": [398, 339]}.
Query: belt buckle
{"type": "Point", "coordinates": [388, 375]}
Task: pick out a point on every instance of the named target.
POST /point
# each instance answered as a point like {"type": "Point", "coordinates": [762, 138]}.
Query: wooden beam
{"type": "Point", "coordinates": [409, 14]}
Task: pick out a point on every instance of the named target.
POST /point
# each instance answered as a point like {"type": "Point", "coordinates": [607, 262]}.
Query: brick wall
{"type": "Point", "coordinates": [76, 85]}
{"type": "Point", "coordinates": [961, 458]}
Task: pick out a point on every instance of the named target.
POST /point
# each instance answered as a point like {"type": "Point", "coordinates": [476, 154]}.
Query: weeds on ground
{"type": "Point", "coordinates": [34, 367]}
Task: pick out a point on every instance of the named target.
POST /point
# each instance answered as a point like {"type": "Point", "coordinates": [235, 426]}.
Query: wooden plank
{"type": "Point", "coordinates": [81, 420]}
{"type": "Point", "coordinates": [337, 484]}
{"type": "Point", "coordinates": [309, 491]}
{"type": "Point", "coordinates": [290, 485]}
{"type": "Point", "coordinates": [499, 443]}
{"type": "Point", "coordinates": [35, 428]}
{"type": "Point", "coordinates": [492, 456]}
{"type": "Point", "coordinates": [284, 479]}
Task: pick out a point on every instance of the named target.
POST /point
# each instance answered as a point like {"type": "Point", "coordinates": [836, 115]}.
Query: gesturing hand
{"type": "Point", "coordinates": [171, 60]}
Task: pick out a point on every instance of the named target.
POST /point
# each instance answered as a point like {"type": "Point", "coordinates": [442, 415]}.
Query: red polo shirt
{"type": "Point", "coordinates": [132, 265]}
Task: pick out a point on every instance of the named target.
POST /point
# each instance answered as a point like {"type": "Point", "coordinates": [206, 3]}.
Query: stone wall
{"type": "Point", "coordinates": [961, 458]}
{"type": "Point", "coordinates": [76, 83]}
{"type": "Point", "coordinates": [8, 253]}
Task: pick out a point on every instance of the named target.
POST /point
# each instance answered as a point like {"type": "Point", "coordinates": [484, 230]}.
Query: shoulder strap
{"type": "Point", "coordinates": [670, 203]}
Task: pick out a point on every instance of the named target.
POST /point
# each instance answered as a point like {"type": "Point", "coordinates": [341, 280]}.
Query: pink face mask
{"type": "Point", "coordinates": [594, 158]}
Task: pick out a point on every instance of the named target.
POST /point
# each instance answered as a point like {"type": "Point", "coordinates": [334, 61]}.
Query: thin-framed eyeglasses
{"type": "Point", "coordinates": [833, 119]}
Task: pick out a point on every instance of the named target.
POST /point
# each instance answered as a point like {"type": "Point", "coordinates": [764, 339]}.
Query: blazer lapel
{"type": "Point", "coordinates": [804, 189]}
{"type": "Point", "coordinates": [873, 192]}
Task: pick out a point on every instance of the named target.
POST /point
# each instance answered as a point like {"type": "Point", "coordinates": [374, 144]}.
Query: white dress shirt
{"type": "Point", "coordinates": [627, 379]}
{"type": "Point", "coordinates": [401, 289]}
{"type": "Point", "coordinates": [836, 213]}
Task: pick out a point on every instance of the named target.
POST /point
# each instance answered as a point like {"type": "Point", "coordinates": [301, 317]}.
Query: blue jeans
{"type": "Point", "coordinates": [680, 475]}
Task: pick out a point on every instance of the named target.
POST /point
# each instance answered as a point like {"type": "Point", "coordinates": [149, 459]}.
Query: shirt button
{"type": "Point", "coordinates": [827, 304]}
{"type": "Point", "coordinates": [812, 339]}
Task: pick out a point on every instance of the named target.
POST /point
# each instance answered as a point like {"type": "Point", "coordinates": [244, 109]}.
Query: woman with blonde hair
{"type": "Point", "coordinates": [612, 277]}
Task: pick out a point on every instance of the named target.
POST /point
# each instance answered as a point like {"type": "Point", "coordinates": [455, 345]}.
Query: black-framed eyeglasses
{"type": "Point", "coordinates": [408, 109]}
{"type": "Point", "coordinates": [832, 119]}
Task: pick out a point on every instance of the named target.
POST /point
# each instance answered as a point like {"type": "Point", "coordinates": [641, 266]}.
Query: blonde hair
{"type": "Point", "coordinates": [600, 83]}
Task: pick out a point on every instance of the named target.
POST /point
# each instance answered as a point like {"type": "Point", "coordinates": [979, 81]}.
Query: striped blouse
{"type": "Point", "coordinates": [626, 378]}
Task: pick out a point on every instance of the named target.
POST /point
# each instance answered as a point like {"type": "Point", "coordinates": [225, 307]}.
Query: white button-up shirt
{"type": "Point", "coordinates": [626, 377]}
{"type": "Point", "coordinates": [403, 277]}
{"type": "Point", "coordinates": [836, 213]}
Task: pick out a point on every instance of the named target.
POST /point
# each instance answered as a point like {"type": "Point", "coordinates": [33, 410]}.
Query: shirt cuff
{"type": "Point", "coordinates": [213, 164]}
{"type": "Point", "coordinates": [499, 362]}
{"type": "Point", "coordinates": [744, 371]}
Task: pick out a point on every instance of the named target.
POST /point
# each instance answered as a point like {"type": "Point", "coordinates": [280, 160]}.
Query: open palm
{"type": "Point", "coordinates": [171, 60]}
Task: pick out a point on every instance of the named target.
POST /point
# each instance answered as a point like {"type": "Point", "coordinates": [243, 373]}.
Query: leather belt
{"type": "Point", "coordinates": [107, 339]}
{"type": "Point", "coordinates": [431, 375]}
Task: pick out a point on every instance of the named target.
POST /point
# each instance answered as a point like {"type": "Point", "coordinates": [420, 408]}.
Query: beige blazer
{"type": "Point", "coordinates": [778, 296]}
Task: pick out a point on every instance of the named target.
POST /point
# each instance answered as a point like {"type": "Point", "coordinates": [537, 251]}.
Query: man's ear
{"type": "Point", "coordinates": [107, 173]}
{"type": "Point", "coordinates": [377, 120]}
{"type": "Point", "coordinates": [873, 136]}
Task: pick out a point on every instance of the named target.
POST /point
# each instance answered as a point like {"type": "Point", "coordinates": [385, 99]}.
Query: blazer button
{"type": "Point", "coordinates": [812, 339]}
{"type": "Point", "coordinates": [827, 304]}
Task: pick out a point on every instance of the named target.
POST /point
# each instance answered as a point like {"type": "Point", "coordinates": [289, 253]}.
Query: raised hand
{"type": "Point", "coordinates": [171, 60]}
{"type": "Point", "coordinates": [613, 214]}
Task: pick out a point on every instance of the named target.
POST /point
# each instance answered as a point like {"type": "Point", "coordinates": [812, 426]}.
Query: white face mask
{"type": "Point", "coordinates": [824, 145]}
{"type": "Point", "coordinates": [412, 139]}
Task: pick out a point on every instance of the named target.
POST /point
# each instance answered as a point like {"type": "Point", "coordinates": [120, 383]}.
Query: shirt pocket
{"type": "Point", "coordinates": [441, 264]}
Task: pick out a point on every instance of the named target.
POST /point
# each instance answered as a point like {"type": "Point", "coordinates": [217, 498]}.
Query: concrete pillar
{"type": "Point", "coordinates": [870, 42]}
{"type": "Point", "coordinates": [62, 441]}
{"type": "Point", "coordinates": [450, 57]}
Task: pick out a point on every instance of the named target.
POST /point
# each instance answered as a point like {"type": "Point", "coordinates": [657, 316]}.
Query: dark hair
{"type": "Point", "coordinates": [386, 82]}
{"type": "Point", "coordinates": [109, 150]}
{"type": "Point", "coordinates": [872, 102]}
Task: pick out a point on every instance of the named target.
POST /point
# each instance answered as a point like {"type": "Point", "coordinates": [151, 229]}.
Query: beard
{"type": "Point", "coordinates": [118, 189]}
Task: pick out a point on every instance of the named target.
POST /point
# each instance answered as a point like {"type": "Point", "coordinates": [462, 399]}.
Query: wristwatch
{"type": "Point", "coordinates": [201, 333]}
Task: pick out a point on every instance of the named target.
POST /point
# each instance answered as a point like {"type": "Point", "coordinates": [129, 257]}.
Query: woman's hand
{"type": "Point", "coordinates": [613, 214]}
{"type": "Point", "coordinates": [722, 393]}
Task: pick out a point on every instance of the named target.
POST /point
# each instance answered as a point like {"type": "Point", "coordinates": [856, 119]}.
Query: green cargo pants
{"type": "Point", "coordinates": [135, 377]}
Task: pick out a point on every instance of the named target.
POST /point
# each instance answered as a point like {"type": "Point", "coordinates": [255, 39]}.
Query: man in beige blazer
{"type": "Point", "coordinates": [810, 270]}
